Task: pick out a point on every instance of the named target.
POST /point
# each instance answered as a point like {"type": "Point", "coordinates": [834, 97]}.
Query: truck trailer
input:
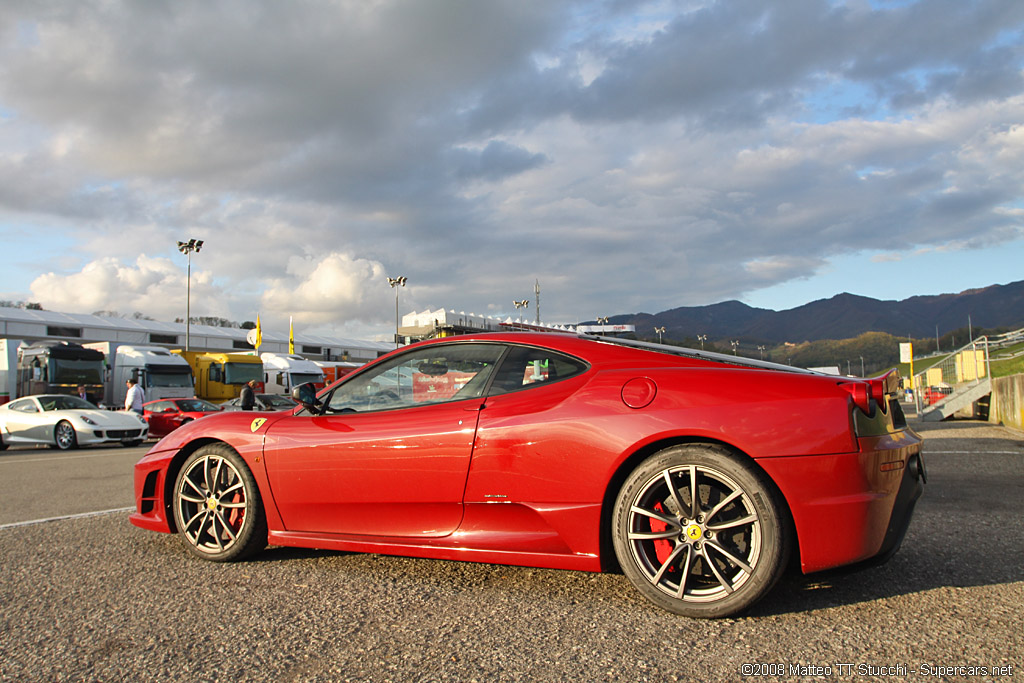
{"type": "Point", "coordinates": [9, 369]}
{"type": "Point", "coordinates": [336, 369]}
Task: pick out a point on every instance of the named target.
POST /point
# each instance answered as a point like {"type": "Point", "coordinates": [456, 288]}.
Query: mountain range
{"type": "Point", "coordinates": [842, 317]}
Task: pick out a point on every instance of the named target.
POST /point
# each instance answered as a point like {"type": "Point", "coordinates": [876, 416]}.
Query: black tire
{"type": "Point", "coordinates": [708, 561]}
{"type": "Point", "coordinates": [217, 506]}
{"type": "Point", "coordinates": [64, 436]}
{"type": "Point", "coordinates": [3, 446]}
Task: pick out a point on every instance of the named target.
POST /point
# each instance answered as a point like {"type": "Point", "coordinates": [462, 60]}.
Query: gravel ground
{"type": "Point", "coordinates": [95, 599]}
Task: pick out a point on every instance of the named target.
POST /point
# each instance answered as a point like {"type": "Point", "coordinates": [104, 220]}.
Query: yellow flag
{"type": "Point", "coordinates": [259, 334]}
{"type": "Point", "coordinates": [291, 336]}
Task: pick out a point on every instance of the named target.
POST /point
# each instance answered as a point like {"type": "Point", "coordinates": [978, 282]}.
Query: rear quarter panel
{"type": "Point", "coordinates": [563, 442]}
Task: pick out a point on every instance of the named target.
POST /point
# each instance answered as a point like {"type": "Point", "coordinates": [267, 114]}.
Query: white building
{"type": "Point", "coordinates": [30, 326]}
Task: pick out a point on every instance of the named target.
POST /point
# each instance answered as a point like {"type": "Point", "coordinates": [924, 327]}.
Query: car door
{"type": "Point", "coordinates": [161, 417]}
{"type": "Point", "coordinates": [25, 421]}
{"type": "Point", "coordinates": [390, 452]}
{"type": "Point", "coordinates": [22, 420]}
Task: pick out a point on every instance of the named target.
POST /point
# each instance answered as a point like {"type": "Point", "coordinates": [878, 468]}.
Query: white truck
{"type": "Point", "coordinates": [160, 373]}
{"type": "Point", "coordinates": [9, 369]}
{"type": "Point", "coordinates": [284, 371]}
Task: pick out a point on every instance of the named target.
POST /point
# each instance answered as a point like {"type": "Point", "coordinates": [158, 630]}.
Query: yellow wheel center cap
{"type": "Point", "coordinates": [693, 532]}
{"type": "Point", "coordinates": [211, 504]}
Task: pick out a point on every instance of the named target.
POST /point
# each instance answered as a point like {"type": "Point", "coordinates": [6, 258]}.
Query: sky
{"type": "Point", "coordinates": [628, 156]}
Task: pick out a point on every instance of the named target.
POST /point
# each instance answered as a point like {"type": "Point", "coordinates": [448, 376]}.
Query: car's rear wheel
{"type": "Point", "coordinates": [217, 506]}
{"type": "Point", "coordinates": [64, 436]}
{"type": "Point", "coordinates": [700, 532]}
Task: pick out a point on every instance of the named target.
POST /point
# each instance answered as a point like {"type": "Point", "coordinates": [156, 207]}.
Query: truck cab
{"type": "Point", "coordinates": [59, 368]}
{"type": "Point", "coordinates": [284, 371]}
{"type": "Point", "coordinates": [160, 373]}
{"type": "Point", "coordinates": [220, 376]}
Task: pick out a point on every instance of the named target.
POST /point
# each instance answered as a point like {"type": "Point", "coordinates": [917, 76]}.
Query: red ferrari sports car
{"type": "Point", "coordinates": [700, 475]}
{"type": "Point", "coordinates": [164, 415]}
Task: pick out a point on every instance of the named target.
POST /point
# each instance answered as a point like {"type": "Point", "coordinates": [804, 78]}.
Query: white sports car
{"type": "Point", "coordinates": [67, 422]}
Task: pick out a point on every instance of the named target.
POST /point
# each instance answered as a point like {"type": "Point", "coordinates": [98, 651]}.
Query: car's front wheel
{"type": "Point", "coordinates": [217, 505]}
{"type": "Point", "coordinates": [64, 436]}
{"type": "Point", "coordinates": [700, 532]}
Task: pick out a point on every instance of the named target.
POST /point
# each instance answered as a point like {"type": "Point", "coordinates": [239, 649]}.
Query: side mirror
{"type": "Point", "coordinates": [305, 394]}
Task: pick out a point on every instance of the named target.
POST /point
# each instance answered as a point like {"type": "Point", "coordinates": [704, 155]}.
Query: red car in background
{"type": "Point", "coordinates": [164, 415]}
{"type": "Point", "coordinates": [934, 394]}
{"type": "Point", "coordinates": [702, 476]}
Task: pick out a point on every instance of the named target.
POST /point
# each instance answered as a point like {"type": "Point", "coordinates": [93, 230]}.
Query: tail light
{"type": "Point", "coordinates": [862, 394]}
{"type": "Point", "coordinates": [877, 388]}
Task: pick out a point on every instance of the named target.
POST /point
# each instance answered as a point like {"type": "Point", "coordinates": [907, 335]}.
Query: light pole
{"type": "Point", "coordinates": [395, 283]}
{"type": "Point", "coordinates": [522, 303]}
{"type": "Point", "coordinates": [761, 350]}
{"type": "Point", "coordinates": [862, 366]}
{"type": "Point", "coordinates": [602, 321]}
{"type": "Point", "coordinates": [660, 331]}
{"type": "Point", "coordinates": [734, 343]}
{"type": "Point", "coordinates": [187, 248]}
{"type": "Point", "coordinates": [702, 338]}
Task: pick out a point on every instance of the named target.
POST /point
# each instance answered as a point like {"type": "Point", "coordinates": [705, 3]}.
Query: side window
{"type": "Point", "coordinates": [434, 374]}
{"type": "Point", "coordinates": [525, 366]}
{"type": "Point", "coordinates": [24, 407]}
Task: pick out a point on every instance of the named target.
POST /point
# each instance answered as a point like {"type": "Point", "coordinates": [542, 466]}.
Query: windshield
{"type": "Point", "coordinates": [168, 379]}
{"type": "Point", "coordinates": [303, 377]}
{"type": "Point", "coordinates": [64, 371]}
{"type": "Point", "coordinates": [275, 401]}
{"type": "Point", "coordinates": [64, 403]}
{"type": "Point", "coordinates": [240, 373]}
{"type": "Point", "coordinates": [196, 405]}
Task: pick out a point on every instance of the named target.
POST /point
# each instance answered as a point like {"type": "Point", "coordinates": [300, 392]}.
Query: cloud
{"type": "Point", "coordinates": [153, 286]}
{"type": "Point", "coordinates": [335, 287]}
{"type": "Point", "coordinates": [629, 156]}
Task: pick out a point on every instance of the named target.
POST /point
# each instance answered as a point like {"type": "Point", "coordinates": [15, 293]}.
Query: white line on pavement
{"type": "Point", "coordinates": [56, 519]}
{"type": "Point", "coordinates": [9, 461]}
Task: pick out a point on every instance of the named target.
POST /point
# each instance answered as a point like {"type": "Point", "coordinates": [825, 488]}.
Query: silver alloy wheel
{"type": "Point", "coordinates": [212, 504]}
{"type": "Point", "coordinates": [64, 435]}
{"type": "Point", "coordinates": [696, 548]}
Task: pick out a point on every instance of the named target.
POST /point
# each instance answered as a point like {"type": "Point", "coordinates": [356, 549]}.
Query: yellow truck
{"type": "Point", "coordinates": [220, 376]}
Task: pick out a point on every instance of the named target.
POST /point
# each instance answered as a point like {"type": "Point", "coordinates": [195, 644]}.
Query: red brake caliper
{"type": "Point", "coordinates": [662, 547]}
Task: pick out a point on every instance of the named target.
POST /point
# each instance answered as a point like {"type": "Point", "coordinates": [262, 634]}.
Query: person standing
{"type": "Point", "coordinates": [247, 396]}
{"type": "Point", "coordinates": [134, 399]}
{"type": "Point", "coordinates": [83, 394]}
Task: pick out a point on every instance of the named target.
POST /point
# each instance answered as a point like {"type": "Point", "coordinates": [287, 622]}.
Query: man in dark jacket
{"type": "Point", "coordinates": [248, 396]}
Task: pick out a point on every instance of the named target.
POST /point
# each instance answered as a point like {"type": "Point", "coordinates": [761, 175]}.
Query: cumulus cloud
{"type": "Point", "coordinates": [153, 286]}
{"type": "Point", "coordinates": [335, 287]}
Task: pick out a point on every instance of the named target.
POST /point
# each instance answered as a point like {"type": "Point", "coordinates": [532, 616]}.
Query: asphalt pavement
{"type": "Point", "coordinates": [91, 598]}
